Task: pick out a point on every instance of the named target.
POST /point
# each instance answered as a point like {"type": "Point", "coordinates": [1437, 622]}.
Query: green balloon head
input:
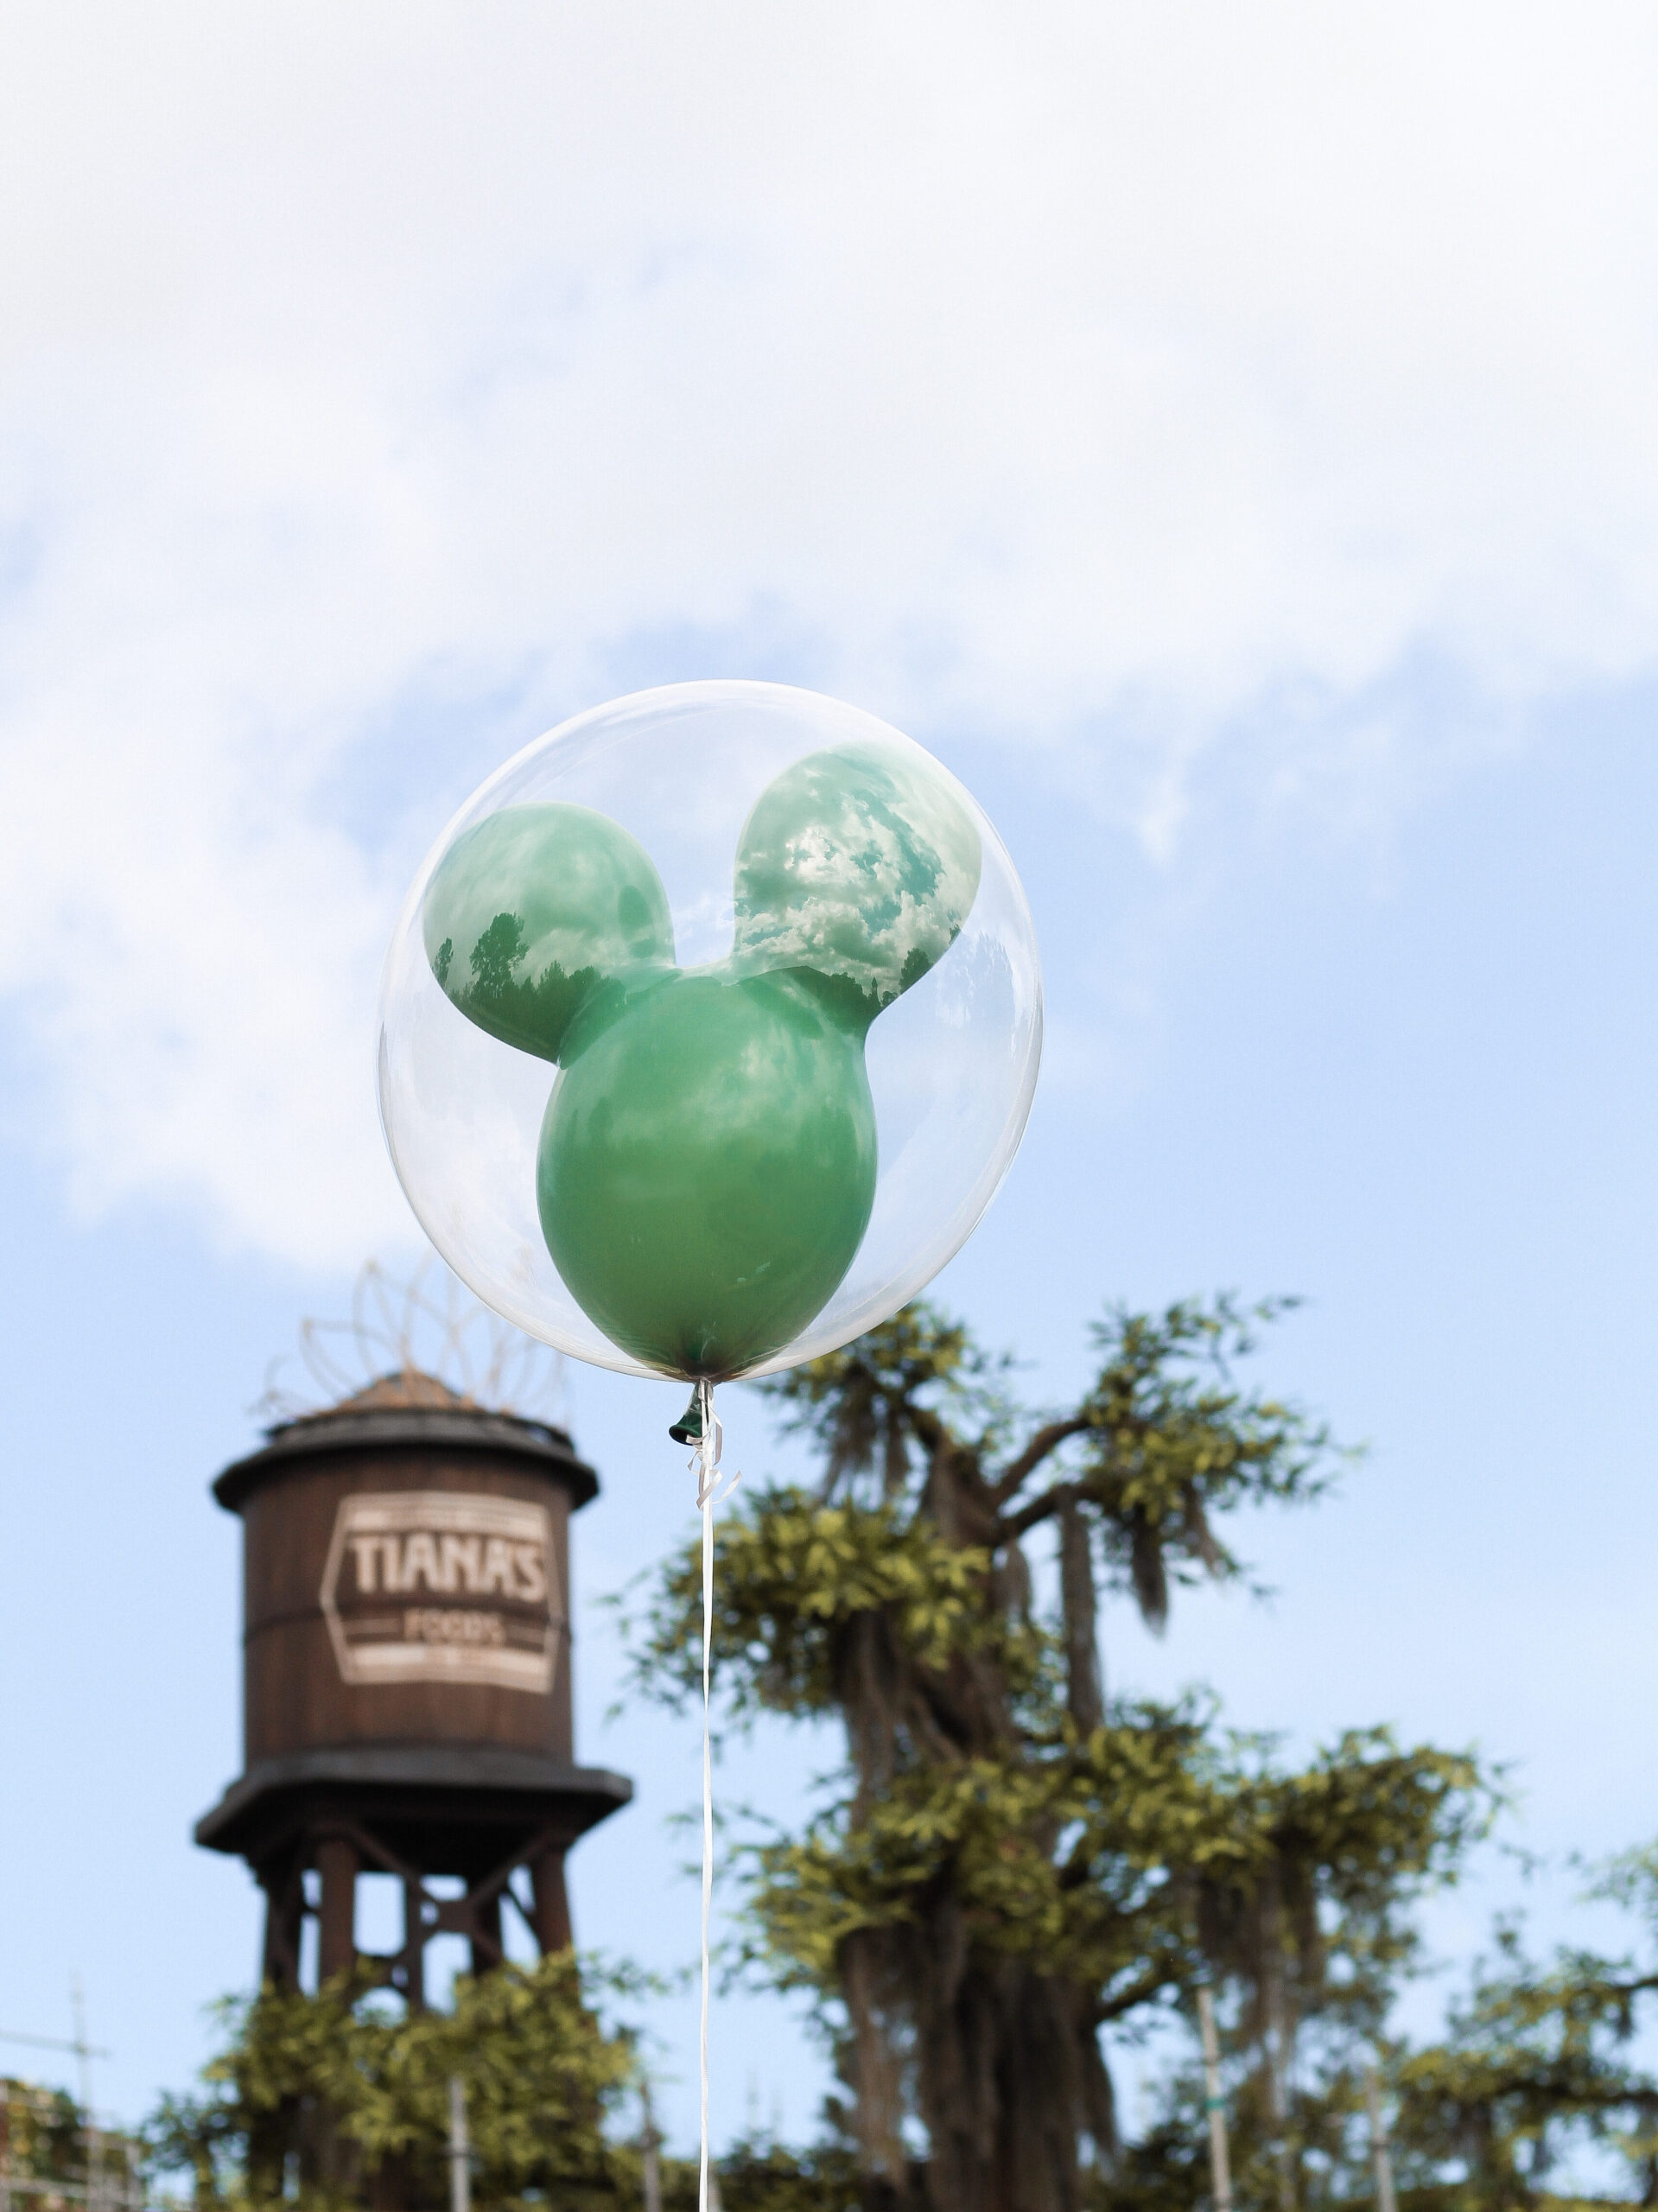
{"type": "Point", "coordinates": [707, 1157]}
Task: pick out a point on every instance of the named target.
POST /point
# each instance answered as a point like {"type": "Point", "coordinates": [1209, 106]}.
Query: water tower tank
{"type": "Point", "coordinates": [407, 1704]}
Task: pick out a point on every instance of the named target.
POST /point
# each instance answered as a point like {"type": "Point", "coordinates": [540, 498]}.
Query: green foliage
{"type": "Point", "coordinates": [1314, 2154]}
{"type": "Point", "coordinates": [859, 1405]}
{"type": "Point", "coordinates": [319, 2092]}
{"type": "Point", "coordinates": [1171, 1441]}
{"type": "Point", "coordinates": [43, 2137]}
{"type": "Point", "coordinates": [756, 2175]}
{"type": "Point", "coordinates": [1537, 2063]}
{"type": "Point", "coordinates": [326, 2101]}
{"type": "Point", "coordinates": [1537, 2078]}
{"type": "Point", "coordinates": [790, 1575]}
{"type": "Point", "coordinates": [1134, 1860]}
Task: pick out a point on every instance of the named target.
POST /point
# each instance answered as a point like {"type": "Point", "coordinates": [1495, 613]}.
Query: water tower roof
{"type": "Point", "coordinates": [408, 1386]}
{"type": "Point", "coordinates": [402, 1409]}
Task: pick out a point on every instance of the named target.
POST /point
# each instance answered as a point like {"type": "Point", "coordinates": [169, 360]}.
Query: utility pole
{"type": "Point", "coordinates": [1215, 2104]}
{"type": "Point", "coordinates": [459, 2149]}
{"type": "Point", "coordinates": [1381, 2150]}
{"type": "Point", "coordinates": [94, 2140]}
{"type": "Point", "coordinates": [650, 2147]}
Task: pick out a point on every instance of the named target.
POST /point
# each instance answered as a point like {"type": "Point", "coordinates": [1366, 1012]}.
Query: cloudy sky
{"type": "Point", "coordinates": [1227, 437]}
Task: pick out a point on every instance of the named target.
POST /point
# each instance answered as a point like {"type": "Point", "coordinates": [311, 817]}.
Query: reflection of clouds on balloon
{"type": "Point", "coordinates": [707, 1160]}
{"type": "Point", "coordinates": [858, 864]}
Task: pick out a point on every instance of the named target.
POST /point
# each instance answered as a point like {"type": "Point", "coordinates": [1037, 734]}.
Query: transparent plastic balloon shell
{"type": "Point", "coordinates": [952, 1063]}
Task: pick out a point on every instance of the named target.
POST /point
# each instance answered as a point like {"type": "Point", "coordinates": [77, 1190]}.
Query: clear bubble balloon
{"type": "Point", "coordinates": [709, 1029]}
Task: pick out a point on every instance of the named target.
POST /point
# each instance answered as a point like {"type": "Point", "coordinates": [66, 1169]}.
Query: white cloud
{"type": "Point", "coordinates": [1040, 368]}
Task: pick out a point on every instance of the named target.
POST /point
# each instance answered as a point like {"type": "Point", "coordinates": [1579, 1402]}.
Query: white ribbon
{"type": "Point", "coordinates": [705, 1462]}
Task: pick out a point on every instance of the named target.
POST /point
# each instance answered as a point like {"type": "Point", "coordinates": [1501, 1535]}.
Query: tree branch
{"type": "Point", "coordinates": [1042, 1445]}
{"type": "Point", "coordinates": [1041, 1509]}
{"type": "Point", "coordinates": [1138, 1991]}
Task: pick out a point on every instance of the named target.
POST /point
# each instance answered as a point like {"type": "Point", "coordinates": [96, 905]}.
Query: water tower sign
{"type": "Point", "coordinates": [442, 1587]}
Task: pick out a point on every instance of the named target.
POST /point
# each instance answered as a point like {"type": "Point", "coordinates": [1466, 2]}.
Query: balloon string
{"type": "Point", "coordinates": [706, 1462]}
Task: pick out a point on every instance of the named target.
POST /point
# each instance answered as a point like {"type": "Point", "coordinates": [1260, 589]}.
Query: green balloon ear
{"type": "Point", "coordinates": [532, 910]}
{"type": "Point", "coordinates": [859, 864]}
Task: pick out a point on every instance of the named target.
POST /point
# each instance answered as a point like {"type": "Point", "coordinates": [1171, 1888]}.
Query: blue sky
{"type": "Point", "coordinates": [1227, 441]}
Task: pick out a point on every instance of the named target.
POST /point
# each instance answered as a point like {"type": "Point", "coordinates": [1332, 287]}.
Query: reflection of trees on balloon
{"type": "Point", "coordinates": [707, 1160]}
{"type": "Point", "coordinates": [547, 902]}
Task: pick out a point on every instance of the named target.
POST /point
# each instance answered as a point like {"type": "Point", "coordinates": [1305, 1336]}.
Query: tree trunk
{"type": "Point", "coordinates": [1079, 1605]}
{"type": "Point", "coordinates": [1006, 2067]}
{"type": "Point", "coordinates": [1276, 2041]}
{"type": "Point", "coordinates": [1007, 2075]}
{"type": "Point", "coordinates": [873, 2066]}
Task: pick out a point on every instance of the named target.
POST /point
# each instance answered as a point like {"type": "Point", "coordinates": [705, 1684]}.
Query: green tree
{"type": "Point", "coordinates": [1013, 1865]}
{"type": "Point", "coordinates": [1538, 2061]}
{"type": "Point", "coordinates": [328, 2099]}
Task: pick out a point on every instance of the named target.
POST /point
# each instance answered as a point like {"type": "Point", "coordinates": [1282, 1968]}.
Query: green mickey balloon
{"type": "Point", "coordinates": [707, 1157]}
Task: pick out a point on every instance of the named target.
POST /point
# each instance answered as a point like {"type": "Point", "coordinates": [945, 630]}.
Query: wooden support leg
{"type": "Point", "coordinates": [414, 1943]}
{"type": "Point", "coordinates": [336, 1865]}
{"type": "Point", "coordinates": [488, 1954]}
{"type": "Point", "coordinates": [552, 1903]}
{"type": "Point", "coordinates": [284, 1912]}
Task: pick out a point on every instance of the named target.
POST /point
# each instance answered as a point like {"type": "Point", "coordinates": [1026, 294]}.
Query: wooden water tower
{"type": "Point", "coordinates": [407, 1676]}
